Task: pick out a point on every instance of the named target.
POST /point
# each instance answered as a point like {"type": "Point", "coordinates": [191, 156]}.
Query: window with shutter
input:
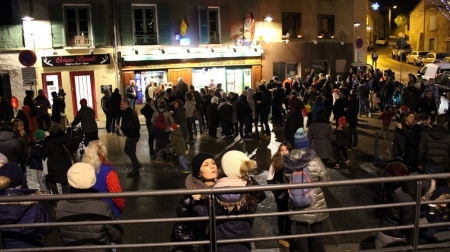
{"type": "Point", "coordinates": [325, 26]}
{"type": "Point", "coordinates": [144, 25]}
{"type": "Point", "coordinates": [126, 24]}
{"type": "Point", "coordinates": [57, 24]}
{"type": "Point", "coordinates": [98, 24]}
{"type": "Point", "coordinates": [214, 24]}
{"type": "Point", "coordinates": [78, 25]}
{"type": "Point", "coordinates": [163, 24]}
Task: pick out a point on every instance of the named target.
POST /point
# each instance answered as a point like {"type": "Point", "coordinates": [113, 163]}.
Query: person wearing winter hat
{"type": "Point", "coordinates": [11, 177]}
{"type": "Point", "coordinates": [204, 176]}
{"type": "Point", "coordinates": [3, 159]}
{"type": "Point", "coordinates": [86, 116]}
{"type": "Point", "coordinates": [82, 178]}
{"type": "Point", "coordinates": [176, 146]}
{"type": "Point", "coordinates": [296, 161]}
{"type": "Point", "coordinates": [236, 165]}
{"type": "Point", "coordinates": [301, 140]}
{"type": "Point", "coordinates": [341, 132]}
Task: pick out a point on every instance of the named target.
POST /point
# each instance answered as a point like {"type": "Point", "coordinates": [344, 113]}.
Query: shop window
{"type": "Point", "coordinates": [325, 26]}
{"type": "Point", "coordinates": [144, 20]}
{"type": "Point", "coordinates": [76, 26]}
{"type": "Point", "coordinates": [291, 24]}
{"type": "Point", "coordinates": [214, 24]}
{"type": "Point", "coordinates": [144, 24]}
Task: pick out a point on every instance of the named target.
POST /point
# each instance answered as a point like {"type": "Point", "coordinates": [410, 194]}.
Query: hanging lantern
{"type": "Point", "coordinates": [14, 102]}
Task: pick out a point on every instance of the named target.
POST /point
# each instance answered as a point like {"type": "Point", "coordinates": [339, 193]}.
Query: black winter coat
{"type": "Point", "coordinates": [293, 122]}
{"type": "Point", "coordinates": [5, 111]}
{"type": "Point", "coordinates": [352, 113]}
{"type": "Point", "coordinates": [412, 143]}
{"type": "Point", "coordinates": [130, 123]}
{"type": "Point", "coordinates": [57, 109]}
{"type": "Point", "coordinates": [243, 108]}
{"type": "Point", "coordinates": [87, 210]}
{"type": "Point", "coordinates": [425, 105]}
{"type": "Point", "coordinates": [265, 101]}
{"type": "Point", "coordinates": [434, 149]}
{"type": "Point", "coordinates": [10, 147]}
{"type": "Point", "coordinates": [58, 159]}
{"type": "Point", "coordinates": [339, 108]}
{"type": "Point", "coordinates": [225, 111]}
{"type": "Point", "coordinates": [28, 101]}
{"type": "Point", "coordinates": [213, 115]}
{"type": "Point", "coordinates": [410, 97]}
{"type": "Point", "coordinates": [115, 100]}
{"type": "Point", "coordinates": [342, 136]}
{"type": "Point", "coordinates": [148, 111]}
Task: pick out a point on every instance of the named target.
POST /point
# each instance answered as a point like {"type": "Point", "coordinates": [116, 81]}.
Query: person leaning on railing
{"type": "Point", "coordinates": [204, 175]}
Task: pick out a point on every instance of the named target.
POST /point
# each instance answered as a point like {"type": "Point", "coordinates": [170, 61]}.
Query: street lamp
{"type": "Point", "coordinates": [356, 24]}
{"type": "Point", "coordinates": [390, 16]}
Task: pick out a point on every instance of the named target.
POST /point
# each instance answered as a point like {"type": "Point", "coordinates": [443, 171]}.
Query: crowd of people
{"type": "Point", "coordinates": [177, 114]}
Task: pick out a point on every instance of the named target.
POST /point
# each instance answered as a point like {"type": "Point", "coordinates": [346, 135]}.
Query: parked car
{"type": "Point", "coordinates": [442, 82]}
{"type": "Point", "coordinates": [381, 41]}
{"type": "Point", "coordinates": [433, 57]}
{"type": "Point", "coordinates": [400, 53]}
{"type": "Point", "coordinates": [415, 57]}
{"type": "Point", "coordinates": [432, 70]}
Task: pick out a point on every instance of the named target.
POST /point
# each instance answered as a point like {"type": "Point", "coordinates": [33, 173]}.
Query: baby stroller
{"type": "Point", "coordinates": [76, 137]}
{"type": "Point", "coordinates": [392, 168]}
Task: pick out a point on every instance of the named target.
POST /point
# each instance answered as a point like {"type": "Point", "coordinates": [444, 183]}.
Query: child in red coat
{"type": "Point", "coordinates": [386, 118]}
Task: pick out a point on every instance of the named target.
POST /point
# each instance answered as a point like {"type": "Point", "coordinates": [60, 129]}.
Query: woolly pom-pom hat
{"type": "Point", "coordinates": [39, 135]}
{"type": "Point", "coordinates": [301, 140]}
{"type": "Point", "coordinates": [197, 162]}
{"type": "Point", "coordinates": [81, 176]}
{"type": "Point", "coordinates": [237, 164]}
{"type": "Point", "coordinates": [13, 172]}
{"type": "Point", "coordinates": [3, 159]}
{"type": "Point", "coordinates": [343, 120]}
{"type": "Point", "coordinates": [403, 109]}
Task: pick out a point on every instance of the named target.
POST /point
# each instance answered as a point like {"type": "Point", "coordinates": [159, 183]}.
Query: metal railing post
{"type": "Point", "coordinates": [376, 155]}
{"type": "Point", "coordinates": [415, 238]}
{"type": "Point", "coordinates": [212, 224]}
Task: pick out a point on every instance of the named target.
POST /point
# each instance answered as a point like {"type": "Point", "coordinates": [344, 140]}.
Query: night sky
{"type": "Point", "coordinates": [403, 6]}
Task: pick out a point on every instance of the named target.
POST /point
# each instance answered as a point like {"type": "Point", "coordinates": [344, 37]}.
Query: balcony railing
{"type": "Point", "coordinates": [79, 41]}
{"type": "Point", "coordinates": [142, 39]}
{"type": "Point", "coordinates": [214, 38]}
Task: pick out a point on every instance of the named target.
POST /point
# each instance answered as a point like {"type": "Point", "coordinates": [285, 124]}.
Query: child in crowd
{"type": "Point", "coordinates": [341, 133]}
{"type": "Point", "coordinates": [386, 118]}
{"type": "Point", "coordinates": [275, 176]}
{"type": "Point", "coordinates": [36, 160]}
{"type": "Point", "coordinates": [176, 146]}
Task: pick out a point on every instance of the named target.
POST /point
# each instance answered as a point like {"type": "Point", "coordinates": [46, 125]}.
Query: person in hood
{"type": "Point", "coordinates": [434, 146]}
{"type": "Point", "coordinates": [24, 212]}
{"type": "Point", "coordinates": [55, 151]}
{"type": "Point", "coordinates": [236, 165]}
{"type": "Point", "coordinates": [203, 176]}
{"type": "Point", "coordinates": [398, 216]}
{"type": "Point", "coordinates": [295, 161]}
{"type": "Point", "coordinates": [9, 144]}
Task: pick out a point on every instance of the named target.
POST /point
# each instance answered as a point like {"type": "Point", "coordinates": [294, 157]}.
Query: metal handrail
{"type": "Point", "coordinates": [212, 217]}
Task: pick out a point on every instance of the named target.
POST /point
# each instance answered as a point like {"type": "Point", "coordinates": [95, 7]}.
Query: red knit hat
{"type": "Point", "coordinates": [174, 126]}
{"type": "Point", "coordinates": [403, 108]}
{"type": "Point", "coordinates": [343, 120]}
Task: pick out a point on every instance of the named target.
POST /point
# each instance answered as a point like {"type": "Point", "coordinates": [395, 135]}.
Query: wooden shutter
{"type": "Point", "coordinates": [225, 26]}
{"type": "Point", "coordinates": [279, 69]}
{"type": "Point", "coordinates": [163, 24]}
{"type": "Point", "coordinates": [126, 25]}
{"type": "Point", "coordinates": [98, 24]}
{"type": "Point", "coordinates": [56, 14]}
{"type": "Point", "coordinates": [203, 21]}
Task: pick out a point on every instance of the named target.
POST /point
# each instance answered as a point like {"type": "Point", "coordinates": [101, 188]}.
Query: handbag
{"type": "Point", "coordinates": [259, 195]}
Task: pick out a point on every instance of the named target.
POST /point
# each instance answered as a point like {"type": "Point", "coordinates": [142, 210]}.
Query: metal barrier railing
{"type": "Point", "coordinates": [212, 218]}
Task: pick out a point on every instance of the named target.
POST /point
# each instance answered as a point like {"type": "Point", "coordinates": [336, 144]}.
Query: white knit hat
{"type": "Point", "coordinates": [3, 159]}
{"type": "Point", "coordinates": [81, 176]}
{"type": "Point", "coordinates": [237, 164]}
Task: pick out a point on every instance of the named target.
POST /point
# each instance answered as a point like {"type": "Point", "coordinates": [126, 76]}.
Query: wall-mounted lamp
{"type": "Point", "coordinates": [27, 18]}
{"type": "Point", "coordinates": [163, 51]}
{"type": "Point", "coordinates": [136, 52]}
{"type": "Point", "coordinates": [356, 24]}
{"type": "Point", "coordinates": [91, 52]}
{"type": "Point", "coordinates": [188, 51]}
{"type": "Point", "coordinates": [268, 19]}
{"type": "Point", "coordinates": [234, 49]}
{"type": "Point", "coordinates": [212, 50]}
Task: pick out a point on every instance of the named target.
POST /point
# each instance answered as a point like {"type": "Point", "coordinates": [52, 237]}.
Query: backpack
{"type": "Point", "coordinates": [300, 197]}
{"type": "Point", "coordinates": [161, 123]}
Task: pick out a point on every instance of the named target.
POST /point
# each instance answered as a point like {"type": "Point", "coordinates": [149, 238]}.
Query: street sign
{"type": "Point", "coordinates": [400, 43]}
{"type": "Point", "coordinates": [358, 55]}
{"type": "Point", "coordinates": [27, 58]}
{"type": "Point", "coordinates": [29, 76]}
{"type": "Point", "coordinates": [359, 43]}
{"type": "Point", "coordinates": [359, 64]}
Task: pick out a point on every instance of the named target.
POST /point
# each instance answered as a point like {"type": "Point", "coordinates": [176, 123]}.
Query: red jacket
{"type": "Point", "coordinates": [386, 117]}
{"type": "Point", "coordinates": [292, 102]}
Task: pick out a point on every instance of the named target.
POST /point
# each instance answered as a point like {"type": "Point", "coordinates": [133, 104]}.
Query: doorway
{"type": "Point", "coordinates": [51, 82]}
{"type": "Point", "coordinates": [82, 85]}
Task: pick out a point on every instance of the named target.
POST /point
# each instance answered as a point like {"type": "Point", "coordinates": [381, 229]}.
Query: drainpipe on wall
{"type": "Point", "coordinates": [116, 55]}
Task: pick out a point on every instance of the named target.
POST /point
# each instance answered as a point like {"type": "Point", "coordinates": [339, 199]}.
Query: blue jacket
{"type": "Point", "coordinates": [101, 186]}
{"type": "Point", "coordinates": [35, 159]}
{"type": "Point", "coordinates": [20, 213]}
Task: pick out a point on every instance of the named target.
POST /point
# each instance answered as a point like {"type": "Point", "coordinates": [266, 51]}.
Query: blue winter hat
{"type": "Point", "coordinates": [301, 140]}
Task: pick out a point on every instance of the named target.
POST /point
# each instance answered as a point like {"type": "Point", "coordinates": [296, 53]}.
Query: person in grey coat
{"type": "Point", "coordinates": [295, 161]}
{"type": "Point", "coordinates": [321, 135]}
{"type": "Point", "coordinates": [81, 177]}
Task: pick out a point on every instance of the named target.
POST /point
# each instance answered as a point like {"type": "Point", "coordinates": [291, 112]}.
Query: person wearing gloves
{"type": "Point", "coordinates": [236, 165]}
{"type": "Point", "coordinates": [11, 178]}
{"type": "Point", "coordinates": [296, 161]}
{"type": "Point", "coordinates": [204, 176]}
{"type": "Point", "coordinates": [82, 178]}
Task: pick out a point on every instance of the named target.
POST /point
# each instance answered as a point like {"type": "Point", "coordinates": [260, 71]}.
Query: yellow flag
{"type": "Point", "coordinates": [184, 26]}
